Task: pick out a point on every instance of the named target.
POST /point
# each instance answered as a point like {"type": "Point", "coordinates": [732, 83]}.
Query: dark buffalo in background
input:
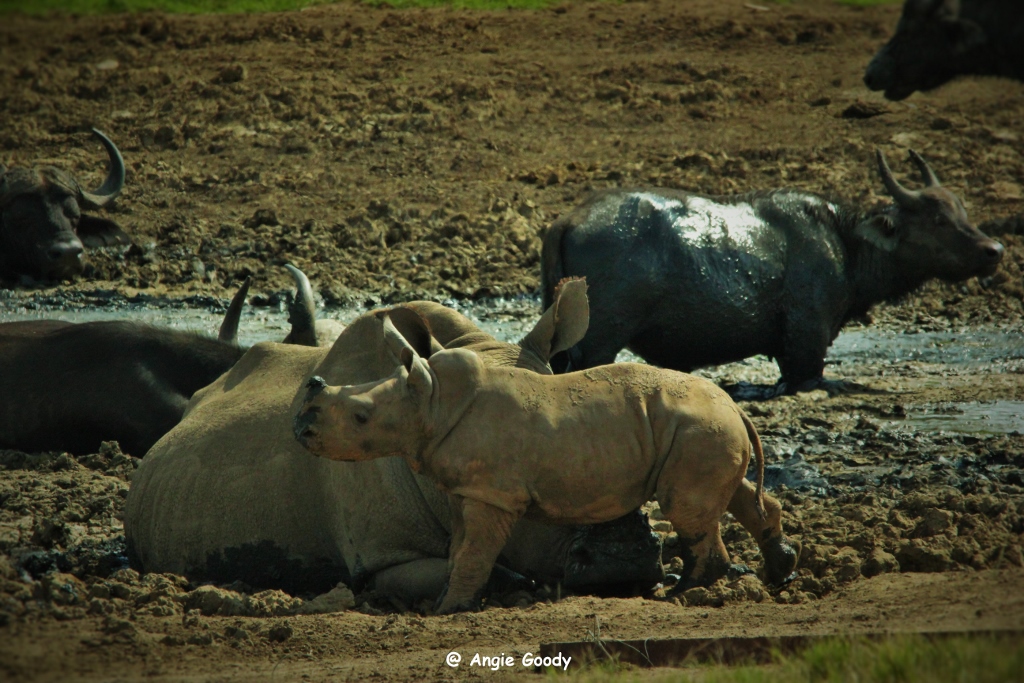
{"type": "Point", "coordinates": [938, 40]}
{"type": "Point", "coordinates": [69, 387]}
{"type": "Point", "coordinates": [687, 280]}
{"type": "Point", "coordinates": [43, 231]}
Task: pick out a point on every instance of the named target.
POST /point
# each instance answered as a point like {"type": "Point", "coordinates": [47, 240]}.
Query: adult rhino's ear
{"type": "Point", "coordinates": [405, 328]}
{"type": "Point", "coordinates": [100, 232]}
{"type": "Point", "coordinates": [565, 322]}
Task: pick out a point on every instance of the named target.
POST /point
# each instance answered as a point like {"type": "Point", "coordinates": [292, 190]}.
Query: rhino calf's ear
{"type": "Point", "coordinates": [419, 382]}
{"type": "Point", "coordinates": [100, 232]}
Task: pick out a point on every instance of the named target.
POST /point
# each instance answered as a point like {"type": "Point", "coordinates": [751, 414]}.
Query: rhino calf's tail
{"type": "Point", "coordinates": [758, 453]}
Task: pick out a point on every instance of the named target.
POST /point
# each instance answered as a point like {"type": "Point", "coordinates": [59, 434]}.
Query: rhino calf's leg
{"type": "Point", "coordinates": [695, 517]}
{"type": "Point", "coordinates": [485, 530]}
{"type": "Point", "coordinates": [705, 559]}
{"type": "Point", "coordinates": [779, 555]}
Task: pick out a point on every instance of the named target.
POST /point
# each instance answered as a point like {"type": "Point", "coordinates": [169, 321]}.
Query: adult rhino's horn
{"type": "Point", "coordinates": [902, 196]}
{"type": "Point", "coordinates": [302, 312]}
{"type": "Point", "coordinates": [229, 328]}
{"type": "Point", "coordinates": [927, 174]}
{"type": "Point", "coordinates": [114, 183]}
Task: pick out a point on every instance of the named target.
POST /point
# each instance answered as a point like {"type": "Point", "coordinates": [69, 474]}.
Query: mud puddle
{"type": "Point", "coordinates": [975, 417]}
{"type": "Point", "coordinates": [951, 348]}
{"type": "Point", "coordinates": [510, 319]}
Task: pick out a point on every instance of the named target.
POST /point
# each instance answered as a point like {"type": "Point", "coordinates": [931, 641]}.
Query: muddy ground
{"type": "Point", "coordinates": [401, 155]}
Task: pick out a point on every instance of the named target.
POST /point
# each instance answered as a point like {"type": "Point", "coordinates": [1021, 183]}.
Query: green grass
{"type": "Point", "coordinates": [905, 659]}
{"type": "Point", "coordinates": [233, 6]}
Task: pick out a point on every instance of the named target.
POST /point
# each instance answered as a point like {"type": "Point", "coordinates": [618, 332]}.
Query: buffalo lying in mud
{"type": "Point", "coordinates": [69, 387]}
{"type": "Point", "coordinates": [42, 228]}
{"type": "Point", "coordinates": [580, 448]}
{"type": "Point", "coordinates": [687, 280]}
{"type": "Point", "coordinates": [229, 494]}
{"type": "Point", "coordinates": [938, 40]}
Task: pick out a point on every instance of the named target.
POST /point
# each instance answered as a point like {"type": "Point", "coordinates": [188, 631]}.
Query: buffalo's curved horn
{"type": "Point", "coordinates": [114, 183]}
{"type": "Point", "coordinates": [902, 195]}
{"type": "Point", "coordinates": [229, 328]}
{"type": "Point", "coordinates": [927, 174]}
{"type": "Point", "coordinates": [302, 312]}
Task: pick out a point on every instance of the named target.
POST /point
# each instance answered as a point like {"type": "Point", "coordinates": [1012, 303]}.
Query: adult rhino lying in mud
{"type": "Point", "coordinates": [69, 387]}
{"type": "Point", "coordinates": [230, 495]}
{"type": "Point", "coordinates": [687, 280]}
{"type": "Point", "coordinates": [579, 448]}
{"type": "Point", "coordinates": [938, 40]}
{"type": "Point", "coordinates": [43, 231]}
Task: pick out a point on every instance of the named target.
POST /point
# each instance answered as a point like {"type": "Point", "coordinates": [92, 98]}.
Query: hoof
{"type": "Point", "coordinates": [504, 580]}
{"type": "Point", "coordinates": [473, 604]}
{"type": "Point", "coordinates": [737, 570]}
{"type": "Point", "coordinates": [779, 561]}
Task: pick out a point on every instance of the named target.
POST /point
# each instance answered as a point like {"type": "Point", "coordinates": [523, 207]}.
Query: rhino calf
{"type": "Point", "coordinates": [578, 448]}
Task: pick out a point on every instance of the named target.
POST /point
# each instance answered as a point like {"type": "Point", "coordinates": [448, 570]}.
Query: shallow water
{"type": "Point", "coordinates": [988, 417]}
{"type": "Point", "coordinates": [511, 319]}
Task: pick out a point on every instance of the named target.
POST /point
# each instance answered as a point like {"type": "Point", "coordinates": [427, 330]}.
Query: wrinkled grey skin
{"type": "Point", "coordinates": [43, 231]}
{"type": "Point", "coordinates": [937, 40]}
{"type": "Point", "coordinates": [687, 281]}
{"type": "Point", "coordinates": [230, 495]}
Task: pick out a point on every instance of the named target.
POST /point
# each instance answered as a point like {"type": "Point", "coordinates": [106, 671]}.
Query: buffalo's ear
{"type": "Point", "coordinates": [964, 35]}
{"type": "Point", "coordinates": [100, 232]}
{"type": "Point", "coordinates": [564, 323]}
{"type": "Point", "coordinates": [879, 230]}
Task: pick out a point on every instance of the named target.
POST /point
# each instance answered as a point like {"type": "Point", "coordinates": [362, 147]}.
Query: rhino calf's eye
{"type": "Point", "coordinates": [361, 418]}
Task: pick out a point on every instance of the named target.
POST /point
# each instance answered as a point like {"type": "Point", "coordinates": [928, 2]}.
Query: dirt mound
{"type": "Point", "coordinates": [411, 154]}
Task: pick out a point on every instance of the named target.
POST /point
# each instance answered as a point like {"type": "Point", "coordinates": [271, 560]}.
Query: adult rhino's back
{"type": "Point", "coordinates": [324, 521]}
{"type": "Point", "coordinates": [185, 471]}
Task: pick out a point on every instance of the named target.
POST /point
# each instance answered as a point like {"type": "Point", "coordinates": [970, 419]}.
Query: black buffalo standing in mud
{"type": "Point", "coordinates": [69, 387]}
{"type": "Point", "coordinates": [43, 231]}
{"type": "Point", "coordinates": [938, 40]}
{"type": "Point", "coordinates": [687, 280]}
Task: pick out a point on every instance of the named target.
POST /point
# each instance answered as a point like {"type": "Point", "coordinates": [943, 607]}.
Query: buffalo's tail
{"type": "Point", "coordinates": [552, 270]}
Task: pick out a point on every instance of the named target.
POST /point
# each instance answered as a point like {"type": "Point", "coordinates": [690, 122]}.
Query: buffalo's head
{"type": "Point", "coordinates": [621, 557]}
{"type": "Point", "coordinates": [927, 231]}
{"type": "Point", "coordinates": [930, 43]}
{"type": "Point", "coordinates": [42, 228]}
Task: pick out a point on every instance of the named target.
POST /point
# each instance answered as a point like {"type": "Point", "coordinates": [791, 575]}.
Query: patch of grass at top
{"type": "Point", "coordinates": [234, 6]}
{"type": "Point", "coordinates": [869, 3]}
{"type": "Point", "coordinates": [900, 659]}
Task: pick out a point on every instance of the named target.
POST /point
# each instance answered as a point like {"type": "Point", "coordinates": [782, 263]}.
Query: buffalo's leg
{"type": "Point", "coordinates": [779, 555]}
{"type": "Point", "coordinates": [486, 529]}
